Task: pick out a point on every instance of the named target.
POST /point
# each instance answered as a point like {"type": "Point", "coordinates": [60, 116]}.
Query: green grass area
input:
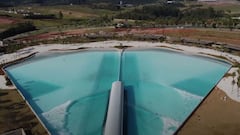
{"type": "Point", "coordinates": [2, 12]}
{"type": "Point", "coordinates": [73, 16]}
{"type": "Point", "coordinates": [86, 10]}
{"type": "Point", "coordinates": [4, 26]}
{"type": "Point", "coordinates": [232, 8]}
{"type": "Point", "coordinates": [70, 11]}
{"type": "Point", "coordinates": [48, 23]}
{"type": "Point", "coordinates": [224, 33]}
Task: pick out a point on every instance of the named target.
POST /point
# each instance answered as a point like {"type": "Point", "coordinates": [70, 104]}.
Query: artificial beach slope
{"type": "Point", "coordinates": [217, 115]}
{"type": "Point", "coordinates": [45, 48]}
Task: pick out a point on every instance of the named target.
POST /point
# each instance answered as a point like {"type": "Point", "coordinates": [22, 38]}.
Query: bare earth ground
{"type": "Point", "coordinates": [220, 2]}
{"type": "Point", "coordinates": [14, 114]}
{"type": "Point", "coordinates": [5, 20]}
{"type": "Point", "coordinates": [215, 116]}
{"type": "Point", "coordinates": [216, 35]}
{"type": "Point", "coordinates": [54, 34]}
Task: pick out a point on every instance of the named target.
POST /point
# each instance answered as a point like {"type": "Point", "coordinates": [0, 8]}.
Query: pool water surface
{"type": "Point", "coordinates": [70, 92]}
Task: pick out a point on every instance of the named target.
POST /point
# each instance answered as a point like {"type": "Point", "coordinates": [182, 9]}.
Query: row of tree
{"type": "Point", "coordinates": [18, 29]}
{"type": "Point", "coordinates": [167, 14]}
{"type": "Point", "coordinates": [41, 16]}
{"type": "Point", "coordinates": [54, 2]}
{"type": "Point", "coordinates": [154, 12]}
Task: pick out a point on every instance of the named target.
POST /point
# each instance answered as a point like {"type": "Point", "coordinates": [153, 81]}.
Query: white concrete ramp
{"type": "Point", "coordinates": [114, 118]}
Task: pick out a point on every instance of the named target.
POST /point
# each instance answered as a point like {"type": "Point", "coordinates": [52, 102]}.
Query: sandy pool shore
{"type": "Point", "coordinates": [217, 115]}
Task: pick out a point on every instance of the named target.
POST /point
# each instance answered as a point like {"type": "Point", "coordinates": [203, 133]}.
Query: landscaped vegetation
{"type": "Point", "coordinates": [18, 29]}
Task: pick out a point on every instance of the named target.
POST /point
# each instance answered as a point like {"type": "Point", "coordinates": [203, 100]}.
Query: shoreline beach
{"type": "Point", "coordinates": [218, 114]}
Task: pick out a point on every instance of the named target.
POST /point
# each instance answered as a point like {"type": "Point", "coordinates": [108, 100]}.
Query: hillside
{"type": "Point", "coordinates": [52, 2]}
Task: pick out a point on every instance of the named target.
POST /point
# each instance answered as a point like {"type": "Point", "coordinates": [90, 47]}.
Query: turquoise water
{"type": "Point", "coordinates": [70, 92]}
{"type": "Point", "coordinates": [163, 88]}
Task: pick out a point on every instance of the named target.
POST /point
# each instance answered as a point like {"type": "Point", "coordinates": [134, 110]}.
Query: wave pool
{"type": "Point", "coordinates": [70, 92]}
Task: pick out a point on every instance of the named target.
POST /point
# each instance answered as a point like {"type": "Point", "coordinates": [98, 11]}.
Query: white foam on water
{"type": "Point", "coordinates": [56, 117]}
{"type": "Point", "coordinates": [188, 95]}
{"type": "Point", "coordinates": [169, 125]}
{"type": "Point", "coordinates": [183, 93]}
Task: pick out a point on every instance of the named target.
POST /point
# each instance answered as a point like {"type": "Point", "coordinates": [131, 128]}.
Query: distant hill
{"type": "Point", "coordinates": [52, 2]}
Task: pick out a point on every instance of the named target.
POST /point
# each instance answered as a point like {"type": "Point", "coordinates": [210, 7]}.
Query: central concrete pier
{"type": "Point", "coordinates": [114, 118]}
{"type": "Point", "coordinates": [120, 65]}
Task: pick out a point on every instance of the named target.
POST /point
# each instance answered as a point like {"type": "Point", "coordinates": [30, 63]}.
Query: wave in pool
{"type": "Point", "coordinates": [56, 117]}
{"type": "Point", "coordinates": [188, 95]}
{"type": "Point", "coordinates": [169, 125]}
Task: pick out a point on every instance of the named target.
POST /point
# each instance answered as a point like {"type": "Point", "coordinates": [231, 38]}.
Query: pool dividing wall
{"type": "Point", "coordinates": [70, 92]}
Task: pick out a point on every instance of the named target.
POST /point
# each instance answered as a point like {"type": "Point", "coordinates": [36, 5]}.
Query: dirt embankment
{"type": "Point", "coordinates": [52, 35]}
{"type": "Point", "coordinates": [227, 36]}
{"type": "Point", "coordinates": [219, 36]}
{"type": "Point", "coordinates": [15, 114]}
{"type": "Point", "coordinates": [7, 20]}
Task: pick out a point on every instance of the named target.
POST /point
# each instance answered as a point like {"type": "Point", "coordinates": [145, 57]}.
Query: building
{"type": "Point", "coordinates": [207, 0]}
{"type": "Point", "coordinates": [171, 2]}
{"type": "Point", "coordinates": [1, 43]}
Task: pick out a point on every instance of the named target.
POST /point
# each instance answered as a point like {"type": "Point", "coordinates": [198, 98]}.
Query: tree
{"type": "Point", "coordinates": [233, 83]}
{"type": "Point", "coordinates": [230, 23]}
{"type": "Point", "coordinates": [17, 29]}
{"type": "Point", "coordinates": [60, 15]}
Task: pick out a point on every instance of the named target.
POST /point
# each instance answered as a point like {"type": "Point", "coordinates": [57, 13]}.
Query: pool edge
{"type": "Point", "coordinates": [5, 73]}
{"type": "Point", "coordinates": [196, 108]}
{"type": "Point", "coordinates": [133, 49]}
